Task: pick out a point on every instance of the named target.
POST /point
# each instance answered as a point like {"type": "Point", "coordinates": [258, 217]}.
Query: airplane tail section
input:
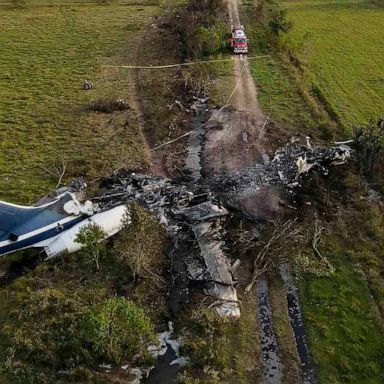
{"type": "Point", "coordinates": [16, 220]}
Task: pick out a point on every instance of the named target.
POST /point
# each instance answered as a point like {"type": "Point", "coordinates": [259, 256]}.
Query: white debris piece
{"type": "Point", "coordinates": [302, 166]}
{"type": "Point", "coordinates": [74, 207]}
{"type": "Point", "coordinates": [165, 341]}
{"type": "Point", "coordinates": [342, 154]}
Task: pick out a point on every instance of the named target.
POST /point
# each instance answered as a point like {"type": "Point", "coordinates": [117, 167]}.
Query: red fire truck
{"type": "Point", "coordinates": [239, 41]}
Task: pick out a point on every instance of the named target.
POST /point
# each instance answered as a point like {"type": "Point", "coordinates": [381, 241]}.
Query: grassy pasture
{"type": "Point", "coordinates": [278, 90]}
{"type": "Point", "coordinates": [341, 44]}
{"type": "Point", "coordinates": [344, 311]}
{"type": "Point", "coordinates": [344, 338]}
{"type": "Point", "coordinates": [47, 49]}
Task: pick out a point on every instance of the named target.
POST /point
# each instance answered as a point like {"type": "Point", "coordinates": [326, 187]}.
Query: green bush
{"type": "Point", "coordinates": [118, 330]}
{"type": "Point", "coordinates": [278, 21]}
{"type": "Point", "coordinates": [207, 345]}
{"type": "Point", "coordinates": [64, 329]}
{"type": "Point", "coordinates": [43, 327]}
{"type": "Point", "coordinates": [202, 27]}
{"type": "Point", "coordinates": [91, 238]}
{"type": "Point", "coordinates": [208, 41]}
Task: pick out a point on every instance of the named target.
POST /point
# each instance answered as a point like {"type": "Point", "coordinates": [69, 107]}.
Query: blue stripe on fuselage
{"type": "Point", "coordinates": [30, 241]}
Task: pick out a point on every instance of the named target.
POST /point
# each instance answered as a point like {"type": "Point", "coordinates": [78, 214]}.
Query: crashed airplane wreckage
{"type": "Point", "coordinates": [54, 222]}
{"type": "Point", "coordinates": [193, 214]}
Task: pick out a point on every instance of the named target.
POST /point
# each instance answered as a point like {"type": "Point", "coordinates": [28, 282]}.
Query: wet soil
{"type": "Point", "coordinates": [296, 320]}
{"type": "Point", "coordinates": [272, 364]}
{"type": "Point", "coordinates": [164, 372]}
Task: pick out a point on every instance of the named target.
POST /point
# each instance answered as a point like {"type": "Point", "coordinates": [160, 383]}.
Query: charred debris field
{"type": "Point", "coordinates": [251, 245]}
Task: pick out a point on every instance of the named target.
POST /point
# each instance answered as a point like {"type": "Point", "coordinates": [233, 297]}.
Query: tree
{"type": "Point", "coordinates": [55, 329]}
{"type": "Point", "coordinates": [91, 237]}
{"type": "Point", "coordinates": [278, 21]}
{"type": "Point", "coordinates": [369, 144]}
{"type": "Point", "coordinates": [118, 330]}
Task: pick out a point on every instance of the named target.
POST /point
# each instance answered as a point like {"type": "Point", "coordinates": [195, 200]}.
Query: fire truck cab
{"type": "Point", "coordinates": [239, 41]}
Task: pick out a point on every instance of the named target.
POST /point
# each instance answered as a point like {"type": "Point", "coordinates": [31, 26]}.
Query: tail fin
{"type": "Point", "coordinates": [16, 220]}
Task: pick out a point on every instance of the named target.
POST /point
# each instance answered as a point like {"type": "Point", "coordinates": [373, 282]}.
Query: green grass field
{"type": "Point", "coordinates": [344, 338]}
{"type": "Point", "coordinates": [341, 45]}
{"type": "Point", "coordinates": [47, 49]}
{"type": "Point", "coordinates": [278, 91]}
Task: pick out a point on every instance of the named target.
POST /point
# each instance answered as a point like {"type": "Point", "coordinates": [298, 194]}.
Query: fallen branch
{"type": "Point", "coordinates": [315, 242]}
{"type": "Point", "coordinates": [261, 263]}
{"type": "Point", "coordinates": [171, 141]}
{"type": "Point", "coordinates": [62, 173]}
{"type": "Point", "coordinates": [57, 172]}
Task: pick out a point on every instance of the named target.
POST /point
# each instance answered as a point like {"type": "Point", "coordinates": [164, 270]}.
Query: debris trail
{"type": "Point", "coordinates": [194, 213]}
{"type": "Point", "coordinates": [195, 141]}
{"type": "Point", "coordinates": [296, 320]}
{"type": "Point", "coordinates": [272, 368]}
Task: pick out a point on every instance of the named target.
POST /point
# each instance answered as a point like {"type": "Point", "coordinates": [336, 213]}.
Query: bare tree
{"type": "Point", "coordinates": [318, 230]}
{"type": "Point", "coordinates": [272, 251]}
{"type": "Point", "coordinates": [57, 171]}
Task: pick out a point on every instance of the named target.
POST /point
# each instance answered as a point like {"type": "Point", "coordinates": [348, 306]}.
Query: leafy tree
{"type": "Point", "coordinates": [278, 21]}
{"type": "Point", "coordinates": [118, 330]}
{"type": "Point", "coordinates": [208, 41]}
{"type": "Point", "coordinates": [91, 237]}
{"type": "Point", "coordinates": [202, 27]}
{"type": "Point", "coordinates": [369, 144]}
{"type": "Point", "coordinates": [61, 329]}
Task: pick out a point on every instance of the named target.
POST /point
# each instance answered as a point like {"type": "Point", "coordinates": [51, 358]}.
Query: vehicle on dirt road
{"type": "Point", "coordinates": [239, 41]}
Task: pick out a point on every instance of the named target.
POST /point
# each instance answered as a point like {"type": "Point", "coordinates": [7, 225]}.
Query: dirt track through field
{"type": "Point", "coordinates": [245, 97]}
{"type": "Point", "coordinates": [238, 141]}
{"type": "Point", "coordinates": [235, 140]}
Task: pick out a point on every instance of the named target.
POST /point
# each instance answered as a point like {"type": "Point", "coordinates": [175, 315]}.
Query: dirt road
{"type": "Point", "coordinates": [236, 138]}
{"type": "Point", "coordinates": [245, 97]}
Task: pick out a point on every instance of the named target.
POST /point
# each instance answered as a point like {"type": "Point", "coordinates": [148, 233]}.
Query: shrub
{"type": "Point", "coordinates": [273, 19]}
{"type": "Point", "coordinates": [202, 27]}
{"type": "Point", "coordinates": [207, 343]}
{"type": "Point", "coordinates": [63, 329]}
{"type": "Point", "coordinates": [91, 238]}
{"type": "Point", "coordinates": [369, 144]}
{"type": "Point", "coordinates": [278, 21]}
{"type": "Point", "coordinates": [108, 105]}
{"type": "Point", "coordinates": [118, 330]}
{"type": "Point", "coordinates": [141, 242]}
{"type": "Point", "coordinates": [208, 41]}
{"type": "Point", "coordinates": [43, 327]}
